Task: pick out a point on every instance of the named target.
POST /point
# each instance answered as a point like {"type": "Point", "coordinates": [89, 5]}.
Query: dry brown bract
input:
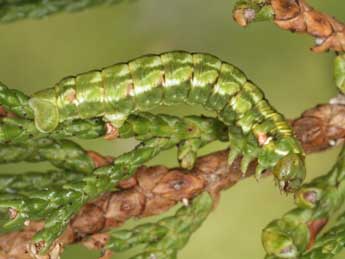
{"type": "Point", "coordinates": [298, 16]}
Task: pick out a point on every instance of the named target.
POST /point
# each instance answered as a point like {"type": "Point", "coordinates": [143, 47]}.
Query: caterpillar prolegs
{"type": "Point", "coordinates": [256, 130]}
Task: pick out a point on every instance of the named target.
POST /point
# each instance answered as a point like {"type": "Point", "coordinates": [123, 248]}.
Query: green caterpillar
{"type": "Point", "coordinates": [256, 130]}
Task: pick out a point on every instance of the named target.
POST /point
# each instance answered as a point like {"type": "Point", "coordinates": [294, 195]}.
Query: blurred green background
{"type": "Point", "coordinates": [36, 54]}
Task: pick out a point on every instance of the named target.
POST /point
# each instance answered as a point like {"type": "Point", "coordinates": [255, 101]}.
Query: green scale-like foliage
{"type": "Point", "coordinates": [64, 154]}
{"type": "Point", "coordinates": [15, 183]}
{"type": "Point", "coordinates": [119, 98]}
{"type": "Point", "coordinates": [330, 243]}
{"type": "Point", "coordinates": [327, 246]}
{"type": "Point", "coordinates": [163, 239]}
{"type": "Point", "coordinates": [61, 202]}
{"type": "Point", "coordinates": [318, 200]}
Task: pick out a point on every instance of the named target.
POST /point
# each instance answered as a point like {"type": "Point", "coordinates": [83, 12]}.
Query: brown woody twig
{"type": "Point", "coordinates": [153, 190]}
{"type": "Point", "coordinates": [298, 16]}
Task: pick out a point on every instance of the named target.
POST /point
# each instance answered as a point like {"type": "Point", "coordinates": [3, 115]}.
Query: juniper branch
{"type": "Point", "coordinates": [294, 234]}
{"type": "Point", "coordinates": [296, 16]}
{"type": "Point", "coordinates": [15, 101]}
{"type": "Point", "coordinates": [141, 126]}
{"type": "Point", "coordinates": [61, 203]}
{"type": "Point", "coordinates": [327, 245]}
{"type": "Point", "coordinates": [68, 199]}
{"type": "Point", "coordinates": [163, 239]}
{"type": "Point", "coordinates": [152, 190]}
{"type": "Point", "coordinates": [68, 155]}
{"type": "Point", "coordinates": [57, 205]}
{"type": "Point", "coordinates": [105, 178]}
{"type": "Point", "coordinates": [318, 115]}
{"type": "Point", "coordinates": [19, 130]}
{"type": "Point", "coordinates": [64, 154]}
{"type": "Point", "coordinates": [11, 183]}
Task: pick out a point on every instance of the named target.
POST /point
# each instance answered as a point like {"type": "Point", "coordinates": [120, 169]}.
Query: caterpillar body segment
{"type": "Point", "coordinates": [178, 67]}
{"type": "Point", "coordinates": [256, 130]}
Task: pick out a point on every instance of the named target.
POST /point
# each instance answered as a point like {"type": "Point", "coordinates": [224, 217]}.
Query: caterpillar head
{"type": "Point", "coordinates": [290, 172]}
{"type": "Point", "coordinates": [45, 110]}
{"type": "Point", "coordinates": [277, 243]}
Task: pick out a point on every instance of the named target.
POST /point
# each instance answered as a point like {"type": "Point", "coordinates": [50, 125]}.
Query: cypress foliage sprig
{"type": "Point", "coordinates": [141, 126]}
{"type": "Point", "coordinates": [327, 245]}
{"type": "Point", "coordinates": [15, 101]}
{"type": "Point", "coordinates": [165, 238]}
{"type": "Point", "coordinates": [68, 155]}
{"type": "Point", "coordinates": [294, 234]}
{"type": "Point", "coordinates": [14, 183]}
{"type": "Point", "coordinates": [61, 203]}
{"type": "Point", "coordinates": [56, 201]}
{"type": "Point", "coordinates": [295, 16]}
{"type": "Point", "coordinates": [64, 154]}
{"type": "Point", "coordinates": [19, 130]}
{"type": "Point", "coordinates": [56, 205]}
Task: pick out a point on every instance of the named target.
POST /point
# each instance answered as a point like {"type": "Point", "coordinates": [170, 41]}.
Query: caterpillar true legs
{"type": "Point", "coordinates": [256, 130]}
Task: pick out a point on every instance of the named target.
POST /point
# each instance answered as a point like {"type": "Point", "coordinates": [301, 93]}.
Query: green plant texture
{"type": "Point", "coordinates": [120, 95]}
{"type": "Point", "coordinates": [50, 123]}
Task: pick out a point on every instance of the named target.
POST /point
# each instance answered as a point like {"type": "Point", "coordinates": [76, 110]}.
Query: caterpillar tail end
{"type": "Point", "coordinates": [290, 172]}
